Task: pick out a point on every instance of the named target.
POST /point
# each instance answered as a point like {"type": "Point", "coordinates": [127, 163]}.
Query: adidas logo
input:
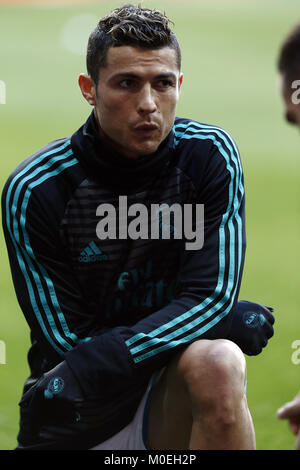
{"type": "Point", "coordinates": [91, 253]}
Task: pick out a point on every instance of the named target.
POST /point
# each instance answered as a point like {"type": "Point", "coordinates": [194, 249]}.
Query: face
{"type": "Point", "coordinates": [135, 98]}
{"type": "Point", "coordinates": [290, 98]}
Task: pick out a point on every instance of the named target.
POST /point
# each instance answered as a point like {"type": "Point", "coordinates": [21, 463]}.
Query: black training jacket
{"type": "Point", "coordinates": [118, 309]}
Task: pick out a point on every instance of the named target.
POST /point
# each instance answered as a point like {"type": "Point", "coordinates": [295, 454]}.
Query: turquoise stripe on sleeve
{"type": "Point", "coordinates": [159, 341]}
{"type": "Point", "coordinates": [220, 279]}
{"type": "Point", "coordinates": [34, 163]}
{"type": "Point", "coordinates": [186, 339]}
{"type": "Point", "coordinates": [16, 240]}
{"type": "Point", "coordinates": [46, 276]}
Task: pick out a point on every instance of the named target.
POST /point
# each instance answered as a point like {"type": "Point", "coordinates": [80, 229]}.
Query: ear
{"type": "Point", "coordinates": [87, 87]}
{"type": "Point", "coordinates": [180, 81]}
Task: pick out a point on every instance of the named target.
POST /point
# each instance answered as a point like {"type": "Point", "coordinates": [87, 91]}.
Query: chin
{"type": "Point", "coordinates": [148, 149]}
{"type": "Point", "coordinates": [136, 151]}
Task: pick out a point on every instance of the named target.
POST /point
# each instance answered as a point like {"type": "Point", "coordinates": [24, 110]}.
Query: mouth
{"type": "Point", "coordinates": [146, 128]}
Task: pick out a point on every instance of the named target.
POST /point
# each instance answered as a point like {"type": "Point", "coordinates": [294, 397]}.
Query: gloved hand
{"type": "Point", "coordinates": [55, 410]}
{"type": "Point", "coordinates": [55, 397]}
{"type": "Point", "coordinates": [251, 327]}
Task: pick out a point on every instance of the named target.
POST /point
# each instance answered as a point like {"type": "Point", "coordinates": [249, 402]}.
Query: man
{"type": "Point", "coordinates": [135, 339]}
{"type": "Point", "coordinates": [289, 69]}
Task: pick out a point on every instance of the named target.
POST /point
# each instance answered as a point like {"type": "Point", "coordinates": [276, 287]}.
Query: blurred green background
{"type": "Point", "coordinates": [229, 51]}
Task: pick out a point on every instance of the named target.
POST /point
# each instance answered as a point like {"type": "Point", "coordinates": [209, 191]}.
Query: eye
{"type": "Point", "coordinates": [165, 83]}
{"type": "Point", "coordinates": [127, 83]}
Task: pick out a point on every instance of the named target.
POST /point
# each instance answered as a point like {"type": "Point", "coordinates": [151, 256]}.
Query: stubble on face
{"type": "Point", "coordinates": [136, 98]}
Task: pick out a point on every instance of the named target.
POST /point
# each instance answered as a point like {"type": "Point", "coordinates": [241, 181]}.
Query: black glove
{"type": "Point", "coordinates": [55, 408]}
{"type": "Point", "coordinates": [251, 327]}
{"type": "Point", "coordinates": [55, 397]}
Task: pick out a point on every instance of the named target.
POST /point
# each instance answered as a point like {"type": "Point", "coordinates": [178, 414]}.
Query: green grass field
{"type": "Point", "coordinates": [230, 79]}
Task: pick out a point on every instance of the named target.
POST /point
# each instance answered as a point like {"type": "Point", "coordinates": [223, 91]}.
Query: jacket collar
{"type": "Point", "coordinates": [113, 169]}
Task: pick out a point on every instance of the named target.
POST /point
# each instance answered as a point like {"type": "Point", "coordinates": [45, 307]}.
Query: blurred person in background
{"type": "Point", "coordinates": [289, 69]}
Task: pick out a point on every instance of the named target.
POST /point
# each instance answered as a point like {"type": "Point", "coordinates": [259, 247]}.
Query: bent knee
{"type": "Point", "coordinates": [212, 366]}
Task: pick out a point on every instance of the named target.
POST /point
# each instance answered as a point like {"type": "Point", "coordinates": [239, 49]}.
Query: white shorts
{"type": "Point", "coordinates": [134, 435]}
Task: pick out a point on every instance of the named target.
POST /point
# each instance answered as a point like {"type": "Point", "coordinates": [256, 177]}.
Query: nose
{"type": "Point", "coordinates": [146, 100]}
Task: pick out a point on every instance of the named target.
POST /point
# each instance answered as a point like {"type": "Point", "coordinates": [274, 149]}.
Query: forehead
{"type": "Point", "coordinates": [126, 59]}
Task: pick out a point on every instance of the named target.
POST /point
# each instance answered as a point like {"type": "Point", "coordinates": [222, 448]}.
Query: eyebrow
{"type": "Point", "coordinates": [138, 77]}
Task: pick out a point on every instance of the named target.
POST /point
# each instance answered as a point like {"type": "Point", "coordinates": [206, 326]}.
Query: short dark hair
{"type": "Point", "coordinates": [129, 25]}
{"type": "Point", "coordinates": [289, 56]}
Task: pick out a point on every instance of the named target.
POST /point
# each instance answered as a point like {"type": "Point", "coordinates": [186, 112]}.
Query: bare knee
{"type": "Point", "coordinates": [220, 359]}
{"type": "Point", "coordinates": [214, 372]}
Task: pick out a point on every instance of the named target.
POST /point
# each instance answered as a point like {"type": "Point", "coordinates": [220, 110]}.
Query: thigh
{"type": "Point", "coordinates": [194, 376]}
{"type": "Point", "coordinates": [170, 415]}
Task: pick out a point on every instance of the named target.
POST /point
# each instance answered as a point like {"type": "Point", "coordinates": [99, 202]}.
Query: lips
{"type": "Point", "coordinates": [146, 127]}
